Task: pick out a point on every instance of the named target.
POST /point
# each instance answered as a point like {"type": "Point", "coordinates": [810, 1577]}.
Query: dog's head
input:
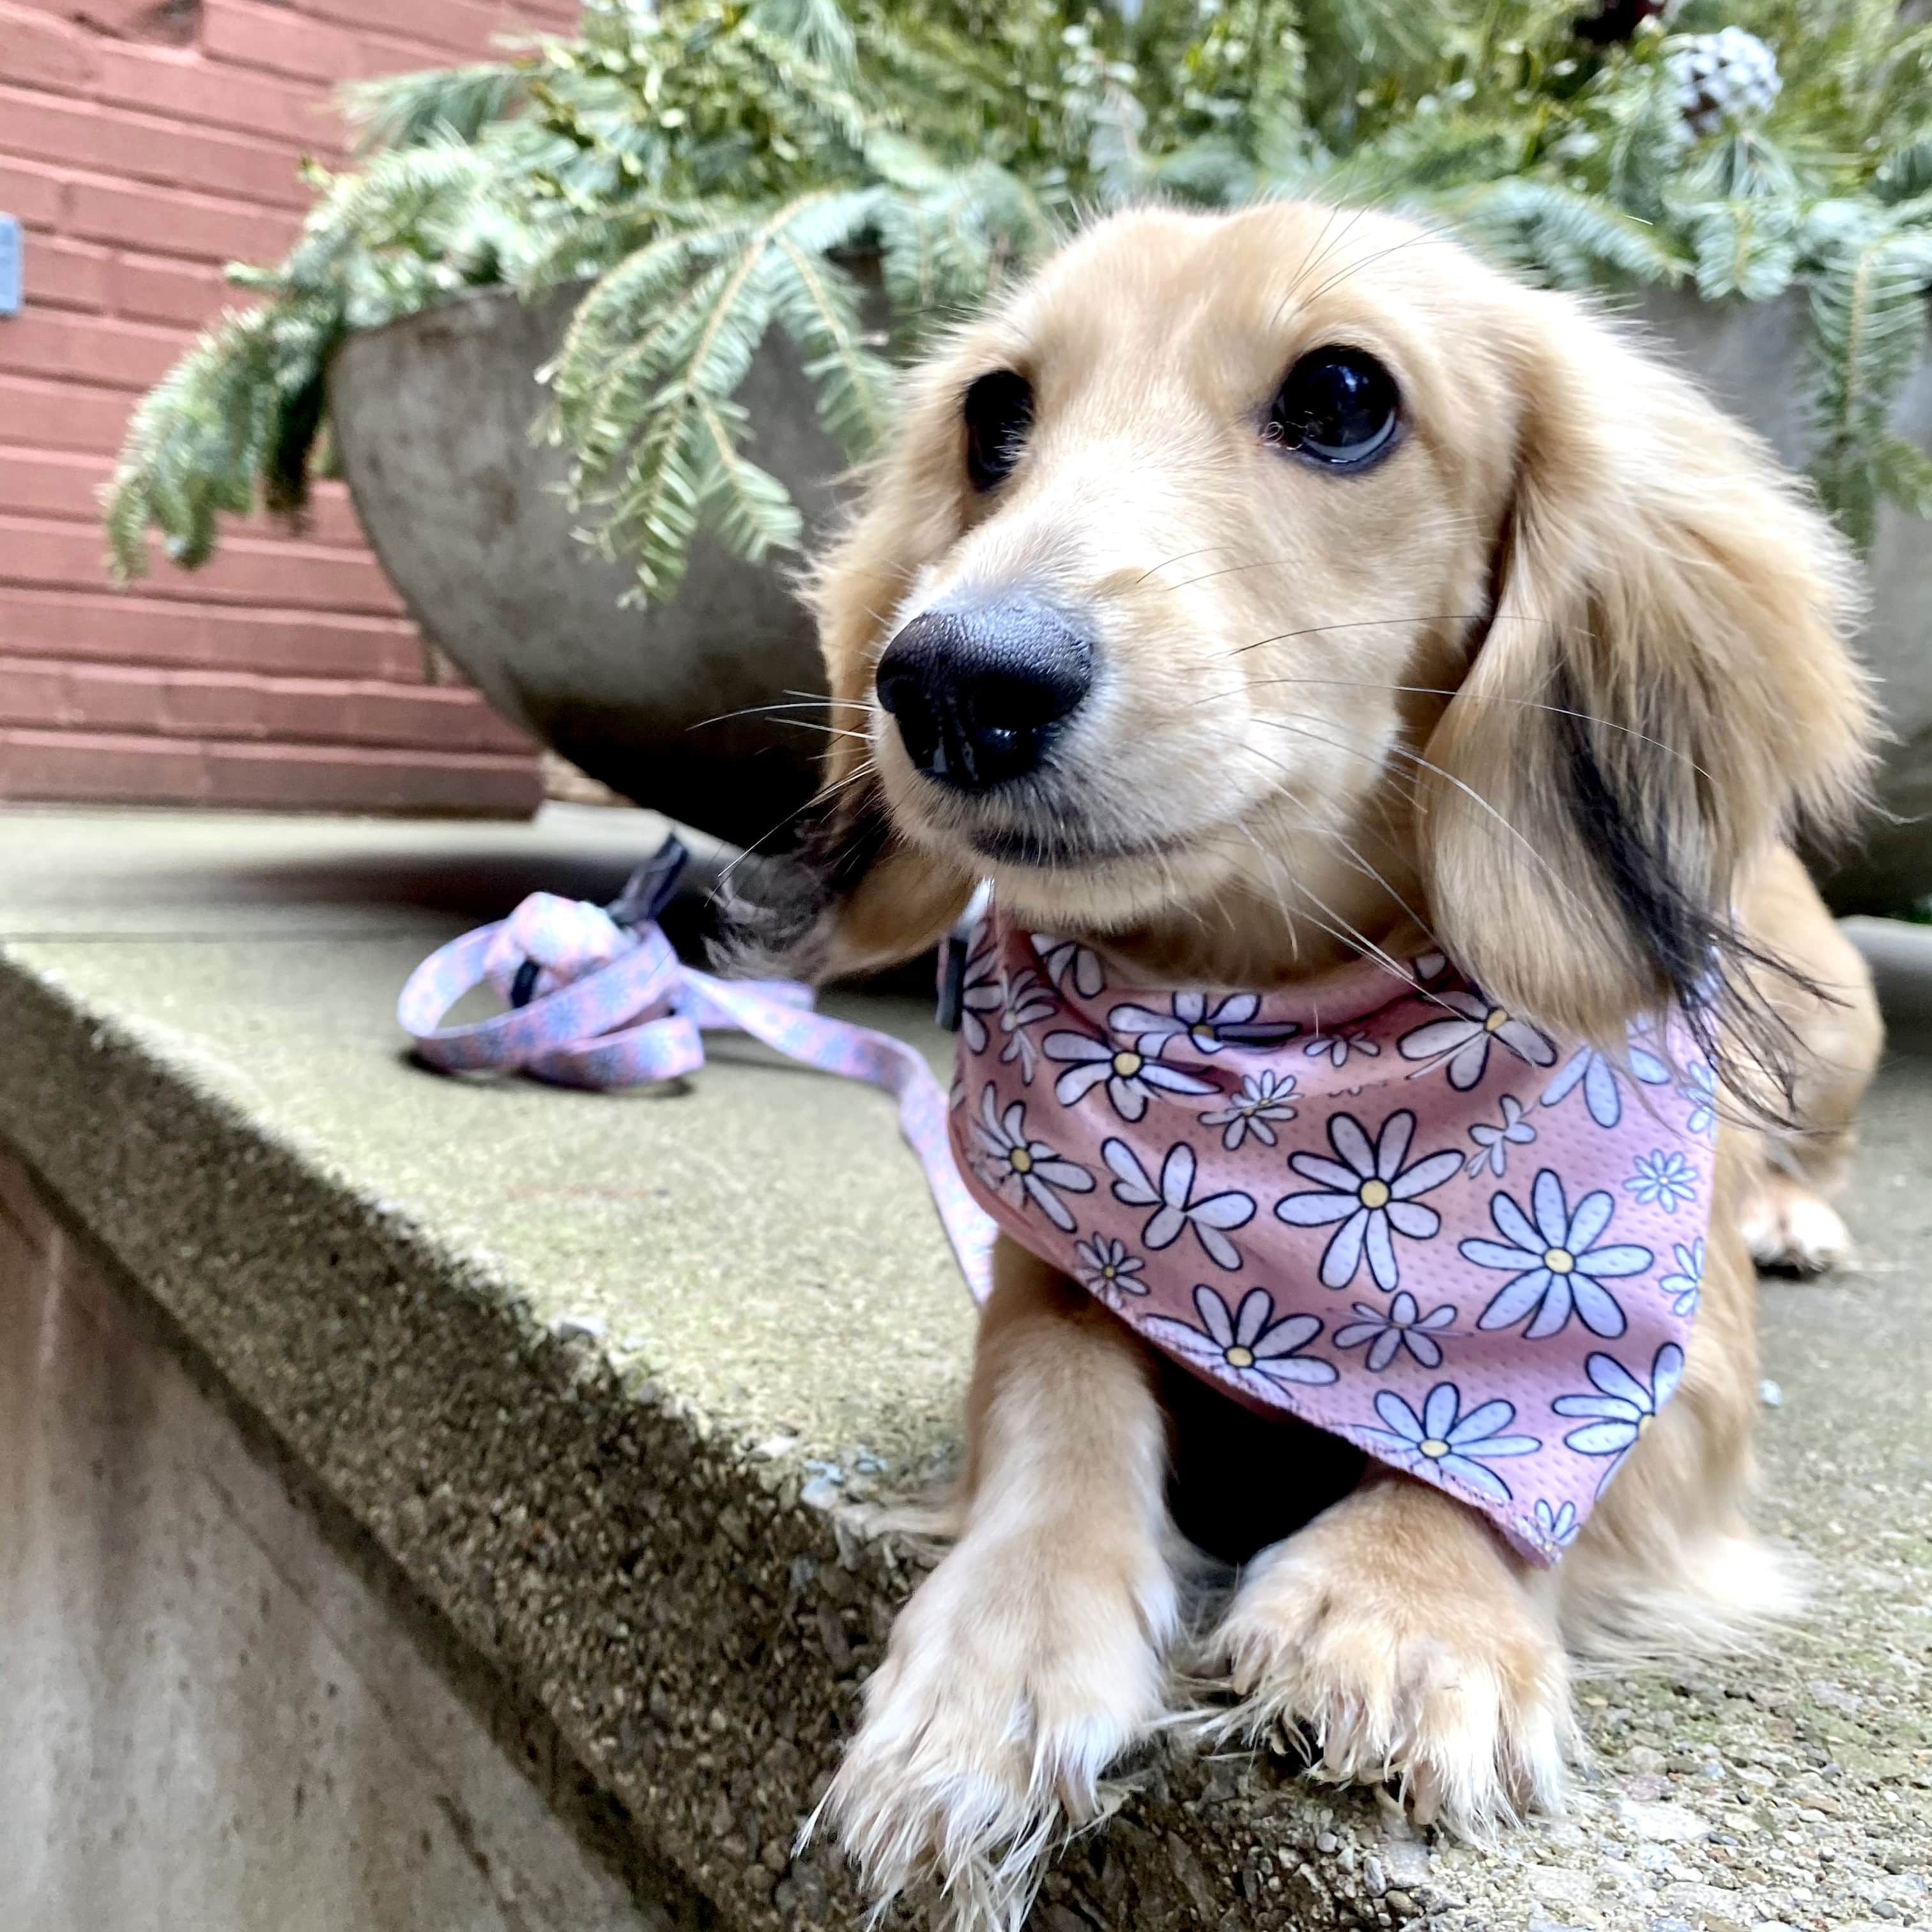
{"type": "Point", "coordinates": [1246, 579]}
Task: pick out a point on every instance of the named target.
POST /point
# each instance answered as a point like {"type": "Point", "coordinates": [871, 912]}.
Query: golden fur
{"type": "Point", "coordinates": [1554, 682]}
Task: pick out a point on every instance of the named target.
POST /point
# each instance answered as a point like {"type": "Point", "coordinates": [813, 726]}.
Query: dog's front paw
{"type": "Point", "coordinates": [1019, 1671]}
{"type": "Point", "coordinates": [1392, 1641]}
{"type": "Point", "coordinates": [1790, 1228]}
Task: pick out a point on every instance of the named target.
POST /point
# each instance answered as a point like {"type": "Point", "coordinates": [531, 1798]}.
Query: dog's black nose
{"type": "Point", "coordinates": [978, 693]}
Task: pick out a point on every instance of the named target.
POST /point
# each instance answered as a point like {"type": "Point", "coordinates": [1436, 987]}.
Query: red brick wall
{"type": "Point", "coordinates": [143, 143]}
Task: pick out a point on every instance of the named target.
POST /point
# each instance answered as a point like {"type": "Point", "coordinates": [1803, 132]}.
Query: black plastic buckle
{"type": "Point", "coordinates": [951, 1004]}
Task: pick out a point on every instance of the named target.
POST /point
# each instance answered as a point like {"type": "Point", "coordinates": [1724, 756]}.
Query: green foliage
{"type": "Point", "coordinates": [1868, 335]}
{"type": "Point", "coordinates": [407, 110]}
{"type": "Point", "coordinates": [719, 169]}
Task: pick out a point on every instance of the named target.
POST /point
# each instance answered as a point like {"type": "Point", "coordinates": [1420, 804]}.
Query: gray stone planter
{"type": "Point", "coordinates": [1751, 358]}
{"type": "Point", "coordinates": [431, 416]}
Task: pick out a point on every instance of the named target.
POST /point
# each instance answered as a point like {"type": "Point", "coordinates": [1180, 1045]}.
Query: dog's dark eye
{"type": "Point", "coordinates": [1338, 406]}
{"type": "Point", "coordinates": [999, 412]}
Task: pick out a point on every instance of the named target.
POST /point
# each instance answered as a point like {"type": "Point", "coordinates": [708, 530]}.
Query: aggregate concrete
{"type": "Point", "coordinates": [618, 1384]}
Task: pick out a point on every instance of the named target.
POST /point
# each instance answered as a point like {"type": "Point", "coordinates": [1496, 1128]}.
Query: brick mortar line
{"type": "Point", "coordinates": [322, 549]}
{"type": "Point", "coordinates": [361, 752]}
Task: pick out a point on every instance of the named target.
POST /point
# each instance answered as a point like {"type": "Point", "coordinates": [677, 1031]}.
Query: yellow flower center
{"type": "Point", "coordinates": [1126, 1065]}
{"type": "Point", "coordinates": [1239, 1358]}
{"type": "Point", "coordinates": [1643, 1423]}
{"type": "Point", "coordinates": [1497, 1020]}
{"type": "Point", "coordinates": [1374, 1194]}
{"type": "Point", "coordinates": [1108, 1272]}
{"type": "Point", "coordinates": [1559, 1261]}
{"type": "Point", "coordinates": [1020, 1161]}
{"type": "Point", "coordinates": [1434, 1447]}
{"type": "Point", "coordinates": [1203, 1036]}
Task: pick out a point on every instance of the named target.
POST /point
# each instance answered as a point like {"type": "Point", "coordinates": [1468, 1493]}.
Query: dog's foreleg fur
{"type": "Point", "coordinates": [1034, 1654]}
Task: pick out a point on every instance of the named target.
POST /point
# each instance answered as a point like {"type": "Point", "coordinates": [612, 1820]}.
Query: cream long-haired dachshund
{"type": "Point", "coordinates": [1243, 592]}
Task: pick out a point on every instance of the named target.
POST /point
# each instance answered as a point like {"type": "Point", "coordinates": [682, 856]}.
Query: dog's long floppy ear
{"type": "Point", "coordinates": [852, 897]}
{"type": "Point", "coordinates": [1662, 688]}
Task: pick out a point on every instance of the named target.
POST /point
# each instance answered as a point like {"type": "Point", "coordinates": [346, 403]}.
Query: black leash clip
{"type": "Point", "coordinates": [652, 886]}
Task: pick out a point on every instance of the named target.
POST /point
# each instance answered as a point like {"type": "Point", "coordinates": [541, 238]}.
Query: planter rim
{"type": "Point", "coordinates": [477, 295]}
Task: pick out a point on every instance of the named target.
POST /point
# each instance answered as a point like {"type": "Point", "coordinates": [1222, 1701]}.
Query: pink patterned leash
{"type": "Point", "coordinates": [598, 998]}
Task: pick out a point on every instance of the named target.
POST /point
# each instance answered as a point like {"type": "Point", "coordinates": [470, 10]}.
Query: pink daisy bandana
{"type": "Point", "coordinates": [1379, 1203]}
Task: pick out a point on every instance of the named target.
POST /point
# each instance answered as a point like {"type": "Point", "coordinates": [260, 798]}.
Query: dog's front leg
{"type": "Point", "coordinates": [1033, 1656]}
{"type": "Point", "coordinates": [1396, 1638]}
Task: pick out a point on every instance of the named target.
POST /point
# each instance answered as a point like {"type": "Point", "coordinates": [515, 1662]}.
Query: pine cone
{"type": "Point", "coordinates": [1725, 78]}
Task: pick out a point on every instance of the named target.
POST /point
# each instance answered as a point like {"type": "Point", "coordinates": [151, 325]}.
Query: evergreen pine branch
{"type": "Point", "coordinates": [818, 306]}
{"type": "Point", "coordinates": [666, 440]}
{"type": "Point", "coordinates": [195, 446]}
{"type": "Point", "coordinates": [793, 74]}
{"type": "Point", "coordinates": [1646, 145]}
{"type": "Point", "coordinates": [617, 334]}
{"type": "Point", "coordinates": [1906, 174]}
{"type": "Point", "coordinates": [708, 166]}
{"type": "Point", "coordinates": [1567, 238]}
{"type": "Point", "coordinates": [653, 514]}
{"type": "Point", "coordinates": [822, 30]}
{"type": "Point", "coordinates": [599, 403]}
{"type": "Point", "coordinates": [1903, 472]}
{"type": "Point", "coordinates": [752, 511]}
{"type": "Point", "coordinates": [1745, 246]}
{"type": "Point", "coordinates": [1868, 334]}
{"type": "Point", "coordinates": [406, 110]}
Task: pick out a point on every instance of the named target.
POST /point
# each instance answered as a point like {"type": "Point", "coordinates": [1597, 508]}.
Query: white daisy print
{"type": "Point", "coordinates": [1465, 1037]}
{"type": "Point", "coordinates": [1020, 1169]}
{"type": "Point", "coordinates": [1024, 1002]}
{"type": "Point", "coordinates": [1402, 1326]}
{"type": "Point", "coordinates": [1335, 1048]}
{"type": "Point", "coordinates": [1666, 1180]}
{"type": "Point", "coordinates": [1107, 1269]}
{"type": "Point", "coordinates": [1175, 1205]}
{"type": "Point", "coordinates": [1131, 1077]}
{"type": "Point", "coordinates": [1686, 1286]}
{"type": "Point", "coordinates": [1208, 1027]}
{"type": "Point", "coordinates": [1596, 1074]}
{"type": "Point", "coordinates": [1245, 1346]}
{"type": "Point", "coordinates": [1069, 963]}
{"type": "Point", "coordinates": [1264, 1097]}
{"type": "Point", "coordinates": [979, 991]}
{"type": "Point", "coordinates": [1494, 1139]}
{"type": "Point", "coordinates": [1553, 1528]}
{"type": "Point", "coordinates": [1558, 1268]}
{"type": "Point", "coordinates": [1455, 1443]}
{"type": "Point", "coordinates": [1624, 1407]}
{"type": "Point", "coordinates": [1429, 965]}
{"type": "Point", "coordinates": [1371, 1193]}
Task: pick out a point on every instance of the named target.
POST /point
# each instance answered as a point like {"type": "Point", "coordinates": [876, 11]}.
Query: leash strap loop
{"type": "Point", "coordinates": [598, 1002]}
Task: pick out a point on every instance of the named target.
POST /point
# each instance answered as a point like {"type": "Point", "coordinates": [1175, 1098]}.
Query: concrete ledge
{"type": "Point", "coordinates": [616, 1383]}
{"type": "Point", "coordinates": [1900, 955]}
{"type": "Point", "coordinates": [219, 1716]}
